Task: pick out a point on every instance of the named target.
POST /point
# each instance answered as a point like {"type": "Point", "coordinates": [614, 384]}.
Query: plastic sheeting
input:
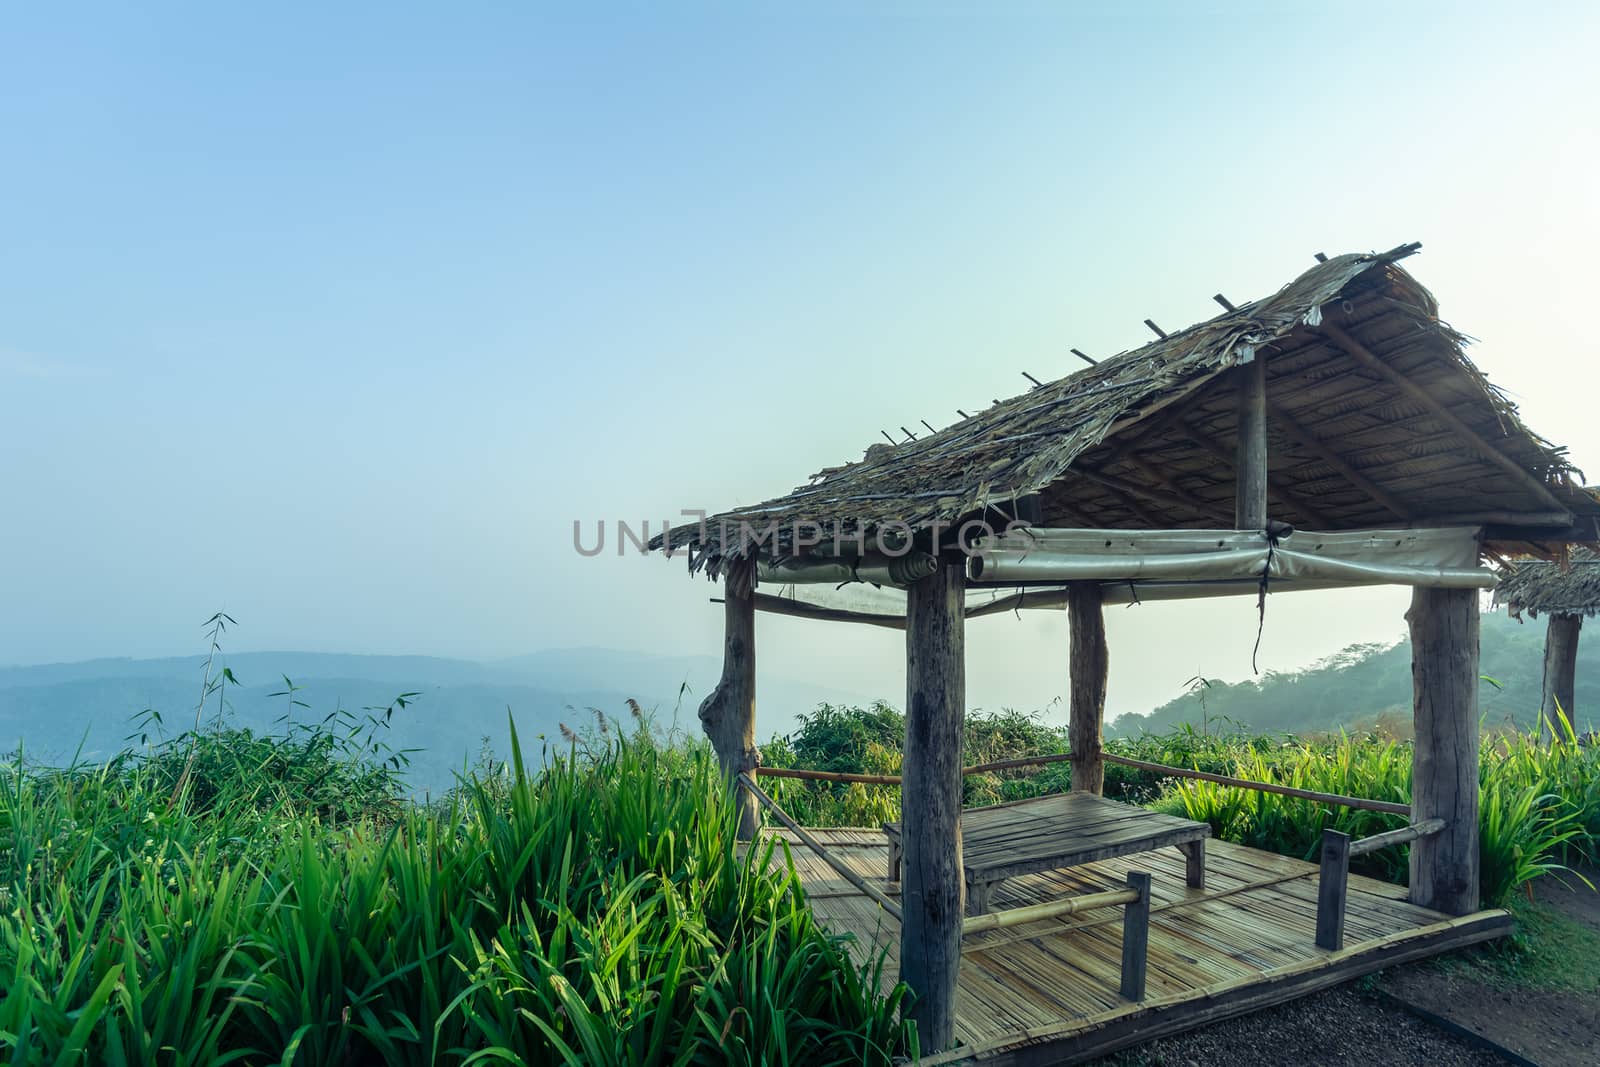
{"type": "Point", "coordinates": [1445, 557]}
{"type": "Point", "coordinates": [1169, 565]}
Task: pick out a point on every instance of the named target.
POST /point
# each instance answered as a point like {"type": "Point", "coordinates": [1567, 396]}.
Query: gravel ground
{"type": "Point", "coordinates": [1341, 1027]}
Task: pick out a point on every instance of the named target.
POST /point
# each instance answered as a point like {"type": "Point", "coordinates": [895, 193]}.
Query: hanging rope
{"type": "Point", "coordinates": [1261, 596]}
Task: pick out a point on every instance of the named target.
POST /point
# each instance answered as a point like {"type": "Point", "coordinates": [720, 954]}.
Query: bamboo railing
{"type": "Point", "coordinates": [1334, 799]}
{"type": "Point", "coordinates": [839, 866]}
{"type": "Point", "coordinates": [1134, 900]}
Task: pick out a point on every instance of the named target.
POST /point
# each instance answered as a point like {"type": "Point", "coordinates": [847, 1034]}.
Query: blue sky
{"type": "Point", "coordinates": [337, 320]}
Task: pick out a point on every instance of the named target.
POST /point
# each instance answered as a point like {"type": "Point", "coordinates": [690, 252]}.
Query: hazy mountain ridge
{"type": "Point", "coordinates": [89, 709]}
{"type": "Point", "coordinates": [1363, 685]}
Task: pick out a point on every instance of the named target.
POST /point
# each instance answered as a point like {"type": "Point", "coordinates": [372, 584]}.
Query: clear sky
{"type": "Point", "coordinates": [338, 319]}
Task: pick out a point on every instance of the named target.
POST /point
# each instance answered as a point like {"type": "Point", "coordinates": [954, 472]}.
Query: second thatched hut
{"type": "Point", "coordinates": [1567, 595]}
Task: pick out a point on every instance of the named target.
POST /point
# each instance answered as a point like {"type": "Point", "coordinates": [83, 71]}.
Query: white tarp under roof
{"type": "Point", "coordinates": [1167, 565]}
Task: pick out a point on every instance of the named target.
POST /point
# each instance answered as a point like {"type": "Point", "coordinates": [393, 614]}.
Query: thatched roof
{"type": "Point", "coordinates": [1538, 586]}
{"type": "Point", "coordinates": [1145, 439]}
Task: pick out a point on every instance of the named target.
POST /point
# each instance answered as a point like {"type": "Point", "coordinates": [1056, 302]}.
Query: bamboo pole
{"type": "Point", "coordinates": [1404, 835]}
{"type": "Point", "coordinates": [816, 846]}
{"type": "Point", "coordinates": [1264, 787]}
{"type": "Point", "coordinates": [1050, 909]}
{"type": "Point", "coordinates": [1022, 761]}
{"type": "Point", "coordinates": [1335, 799]}
{"type": "Point", "coordinates": [828, 776]}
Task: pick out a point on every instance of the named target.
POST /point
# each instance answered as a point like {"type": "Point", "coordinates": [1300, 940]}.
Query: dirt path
{"type": "Point", "coordinates": [1553, 1028]}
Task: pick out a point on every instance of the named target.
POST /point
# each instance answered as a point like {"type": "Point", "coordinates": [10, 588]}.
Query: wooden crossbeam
{"type": "Point", "coordinates": [1309, 441]}
{"type": "Point", "coordinates": [1149, 470]}
{"type": "Point", "coordinates": [1364, 356]}
{"type": "Point", "coordinates": [1124, 488]}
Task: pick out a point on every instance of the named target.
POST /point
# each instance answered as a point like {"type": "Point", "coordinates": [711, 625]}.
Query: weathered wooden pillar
{"type": "Point", "coordinates": [1444, 777]}
{"type": "Point", "coordinates": [728, 713]}
{"type": "Point", "coordinates": [1088, 663]}
{"type": "Point", "coordinates": [932, 884]}
{"type": "Point", "coordinates": [1560, 672]}
{"type": "Point", "coordinates": [1250, 487]}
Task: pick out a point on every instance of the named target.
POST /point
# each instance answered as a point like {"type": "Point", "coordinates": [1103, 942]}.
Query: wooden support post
{"type": "Point", "coordinates": [1282, 496]}
{"type": "Point", "coordinates": [1088, 664]}
{"type": "Point", "coordinates": [728, 713]}
{"type": "Point", "coordinates": [930, 797]}
{"type": "Point", "coordinates": [1444, 780]}
{"type": "Point", "coordinates": [1136, 937]}
{"type": "Point", "coordinates": [1250, 472]}
{"type": "Point", "coordinates": [1560, 673]}
{"type": "Point", "coordinates": [1332, 888]}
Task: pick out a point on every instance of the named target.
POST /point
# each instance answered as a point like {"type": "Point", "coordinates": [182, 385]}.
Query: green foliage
{"type": "Point", "coordinates": [228, 898]}
{"type": "Point", "coordinates": [1360, 767]}
{"type": "Point", "coordinates": [1563, 768]}
{"type": "Point", "coordinates": [1528, 820]}
{"type": "Point", "coordinates": [868, 741]}
{"type": "Point", "coordinates": [1367, 687]}
{"type": "Point", "coordinates": [1539, 805]}
{"type": "Point", "coordinates": [1549, 952]}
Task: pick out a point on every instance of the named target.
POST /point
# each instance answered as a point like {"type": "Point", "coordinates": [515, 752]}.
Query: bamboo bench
{"type": "Point", "coordinates": [1047, 833]}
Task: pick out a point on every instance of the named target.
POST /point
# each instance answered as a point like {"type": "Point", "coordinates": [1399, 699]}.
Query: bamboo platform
{"type": "Point", "coordinates": [1047, 991]}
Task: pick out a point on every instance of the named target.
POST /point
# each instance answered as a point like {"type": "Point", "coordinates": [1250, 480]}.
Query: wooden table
{"type": "Point", "coordinates": [1064, 830]}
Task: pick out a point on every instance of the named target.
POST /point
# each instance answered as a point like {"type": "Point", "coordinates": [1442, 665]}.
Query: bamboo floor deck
{"type": "Point", "coordinates": [1047, 991]}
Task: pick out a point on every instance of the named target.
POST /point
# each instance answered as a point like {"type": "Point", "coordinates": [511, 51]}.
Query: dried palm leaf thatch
{"type": "Point", "coordinates": [1133, 441]}
{"type": "Point", "coordinates": [1535, 586]}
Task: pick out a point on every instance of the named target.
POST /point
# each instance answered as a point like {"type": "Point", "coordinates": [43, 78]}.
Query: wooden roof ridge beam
{"type": "Point", "coordinates": [1283, 496]}
{"type": "Point", "coordinates": [1320, 449]}
{"type": "Point", "coordinates": [1365, 357]}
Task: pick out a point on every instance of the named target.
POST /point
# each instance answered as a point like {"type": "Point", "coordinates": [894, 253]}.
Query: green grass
{"type": "Point", "coordinates": [223, 899]}
{"type": "Point", "coordinates": [227, 897]}
{"type": "Point", "coordinates": [1550, 952]}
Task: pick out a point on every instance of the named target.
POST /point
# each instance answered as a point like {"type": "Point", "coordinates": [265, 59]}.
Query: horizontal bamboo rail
{"type": "Point", "coordinates": [816, 846]}
{"type": "Point", "coordinates": [1010, 764]}
{"type": "Point", "coordinates": [827, 776]}
{"type": "Point", "coordinates": [1404, 835]}
{"type": "Point", "coordinates": [1050, 909]}
{"type": "Point", "coordinates": [1335, 799]}
{"type": "Point", "coordinates": [1265, 787]}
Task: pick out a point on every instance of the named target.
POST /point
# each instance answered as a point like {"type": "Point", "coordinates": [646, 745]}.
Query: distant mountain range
{"type": "Point", "coordinates": [61, 709]}
{"type": "Point", "coordinates": [1370, 685]}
